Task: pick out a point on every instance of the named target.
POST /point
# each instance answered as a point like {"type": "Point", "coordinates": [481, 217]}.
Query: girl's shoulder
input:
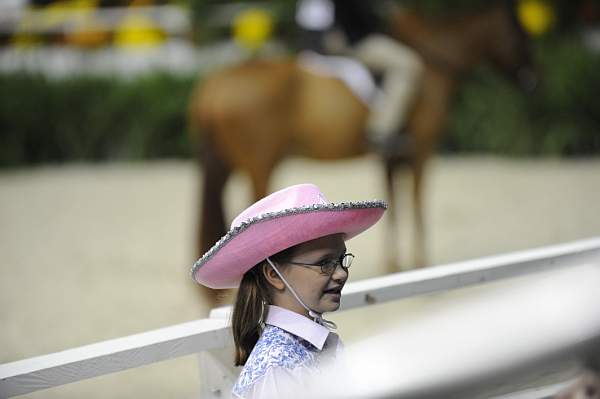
{"type": "Point", "coordinates": [276, 348]}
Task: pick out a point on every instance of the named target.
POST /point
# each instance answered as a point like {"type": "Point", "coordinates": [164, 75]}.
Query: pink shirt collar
{"type": "Point", "coordinates": [298, 325]}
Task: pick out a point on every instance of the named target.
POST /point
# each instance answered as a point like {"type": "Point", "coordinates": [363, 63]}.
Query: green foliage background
{"type": "Point", "coordinates": [562, 117]}
{"type": "Point", "coordinates": [92, 118]}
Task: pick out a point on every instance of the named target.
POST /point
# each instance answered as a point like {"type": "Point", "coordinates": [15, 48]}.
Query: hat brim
{"type": "Point", "coordinates": [245, 246]}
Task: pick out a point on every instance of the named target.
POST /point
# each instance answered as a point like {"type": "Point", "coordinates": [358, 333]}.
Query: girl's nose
{"type": "Point", "coordinates": [340, 274]}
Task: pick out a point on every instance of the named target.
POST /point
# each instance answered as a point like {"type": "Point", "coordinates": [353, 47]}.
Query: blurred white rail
{"type": "Point", "coordinates": [211, 340]}
{"type": "Point", "coordinates": [172, 19]}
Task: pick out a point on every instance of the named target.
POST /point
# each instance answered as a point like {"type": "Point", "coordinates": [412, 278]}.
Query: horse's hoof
{"type": "Point", "coordinates": [392, 267]}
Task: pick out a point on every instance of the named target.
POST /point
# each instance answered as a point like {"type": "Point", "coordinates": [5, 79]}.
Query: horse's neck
{"type": "Point", "coordinates": [451, 44]}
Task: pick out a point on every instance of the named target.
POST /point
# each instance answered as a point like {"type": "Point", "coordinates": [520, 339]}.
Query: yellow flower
{"type": "Point", "coordinates": [536, 16]}
{"type": "Point", "coordinates": [138, 30]}
{"type": "Point", "coordinates": [251, 28]}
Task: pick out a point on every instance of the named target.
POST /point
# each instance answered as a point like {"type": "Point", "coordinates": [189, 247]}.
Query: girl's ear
{"type": "Point", "coordinates": [272, 277]}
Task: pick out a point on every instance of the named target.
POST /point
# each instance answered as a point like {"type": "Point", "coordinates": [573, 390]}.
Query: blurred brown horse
{"type": "Point", "coordinates": [253, 115]}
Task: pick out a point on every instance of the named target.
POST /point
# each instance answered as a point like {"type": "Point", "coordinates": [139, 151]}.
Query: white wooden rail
{"type": "Point", "coordinates": [211, 339]}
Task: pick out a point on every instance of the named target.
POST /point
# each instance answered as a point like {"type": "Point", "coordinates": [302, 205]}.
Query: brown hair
{"type": "Point", "coordinates": [249, 309]}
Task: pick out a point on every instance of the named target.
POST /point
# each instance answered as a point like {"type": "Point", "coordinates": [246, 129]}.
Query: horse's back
{"type": "Point", "coordinates": [330, 118]}
{"type": "Point", "coordinates": [239, 89]}
{"type": "Point", "coordinates": [258, 80]}
{"type": "Point", "coordinates": [274, 107]}
{"type": "Point", "coordinates": [241, 110]}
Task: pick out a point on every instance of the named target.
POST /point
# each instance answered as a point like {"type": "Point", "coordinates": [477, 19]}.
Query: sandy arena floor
{"type": "Point", "coordinates": [93, 252]}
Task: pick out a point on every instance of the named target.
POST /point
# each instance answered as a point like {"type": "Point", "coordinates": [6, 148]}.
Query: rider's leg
{"type": "Point", "coordinates": [402, 68]}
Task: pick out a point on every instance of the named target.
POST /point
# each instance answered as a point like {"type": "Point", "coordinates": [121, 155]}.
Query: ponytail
{"type": "Point", "coordinates": [250, 308]}
{"type": "Point", "coordinates": [248, 313]}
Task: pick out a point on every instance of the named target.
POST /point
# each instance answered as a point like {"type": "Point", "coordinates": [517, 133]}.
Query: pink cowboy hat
{"type": "Point", "coordinates": [281, 220]}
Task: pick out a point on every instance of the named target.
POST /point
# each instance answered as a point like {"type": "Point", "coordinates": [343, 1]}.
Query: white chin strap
{"type": "Point", "coordinates": [317, 317]}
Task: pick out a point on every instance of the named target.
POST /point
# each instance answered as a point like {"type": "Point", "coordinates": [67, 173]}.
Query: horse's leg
{"type": "Point", "coordinates": [259, 177]}
{"type": "Point", "coordinates": [397, 171]}
{"type": "Point", "coordinates": [212, 219]}
{"type": "Point", "coordinates": [260, 184]}
{"type": "Point", "coordinates": [269, 151]}
{"type": "Point", "coordinates": [420, 255]}
{"type": "Point", "coordinates": [392, 241]}
{"type": "Point", "coordinates": [427, 123]}
{"type": "Point", "coordinates": [211, 223]}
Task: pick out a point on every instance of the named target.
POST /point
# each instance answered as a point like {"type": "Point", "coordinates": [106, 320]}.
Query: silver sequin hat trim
{"type": "Point", "coordinates": [232, 233]}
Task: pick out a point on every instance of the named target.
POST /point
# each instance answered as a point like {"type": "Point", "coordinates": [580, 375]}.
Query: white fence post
{"type": "Point", "coordinates": [217, 373]}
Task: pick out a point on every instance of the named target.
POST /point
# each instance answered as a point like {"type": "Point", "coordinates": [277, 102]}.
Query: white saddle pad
{"type": "Point", "coordinates": [354, 74]}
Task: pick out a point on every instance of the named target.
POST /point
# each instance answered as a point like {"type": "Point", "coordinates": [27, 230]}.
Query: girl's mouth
{"type": "Point", "coordinates": [336, 290]}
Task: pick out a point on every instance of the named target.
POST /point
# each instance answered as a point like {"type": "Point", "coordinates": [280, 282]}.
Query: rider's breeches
{"type": "Point", "coordinates": [402, 69]}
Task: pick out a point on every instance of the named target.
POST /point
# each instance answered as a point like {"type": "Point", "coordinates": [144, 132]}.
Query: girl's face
{"type": "Point", "coordinates": [320, 292]}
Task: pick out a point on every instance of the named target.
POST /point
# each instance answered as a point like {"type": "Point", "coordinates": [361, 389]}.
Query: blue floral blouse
{"type": "Point", "coordinates": [289, 350]}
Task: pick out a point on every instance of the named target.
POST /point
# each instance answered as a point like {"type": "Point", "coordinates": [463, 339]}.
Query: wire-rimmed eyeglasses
{"type": "Point", "coordinates": [328, 266]}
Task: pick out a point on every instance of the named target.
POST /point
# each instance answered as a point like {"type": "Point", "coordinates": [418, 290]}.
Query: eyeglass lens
{"type": "Point", "coordinates": [345, 261]}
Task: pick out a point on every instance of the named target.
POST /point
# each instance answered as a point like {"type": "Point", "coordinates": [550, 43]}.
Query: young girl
{"type": "Point", "coordinates": [287, 255]}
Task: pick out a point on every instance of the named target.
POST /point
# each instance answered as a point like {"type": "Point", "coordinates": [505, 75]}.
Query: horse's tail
{"type": "Point", "coordinates": [211, 224]}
